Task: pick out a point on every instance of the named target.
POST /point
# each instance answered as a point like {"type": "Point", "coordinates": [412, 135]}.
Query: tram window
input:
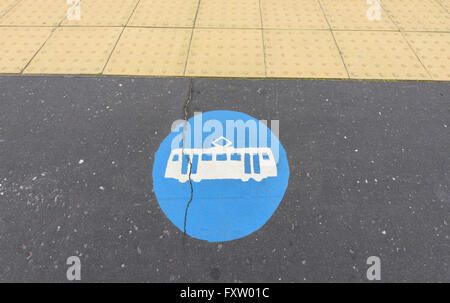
{"type": "Point", "coordinates": [236, 157]}
{"type": "Point", "coordinates": [221, 157]}
{"type": "Point", "coordinates": [265, 156]}
{"type": "Point", "coordinates": [175, 158]}
{"type": "Point", "coordinates": [206, 157]}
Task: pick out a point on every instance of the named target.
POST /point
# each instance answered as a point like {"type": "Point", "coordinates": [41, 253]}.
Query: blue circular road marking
{"type": "Point", "coordinates": [237, 186]}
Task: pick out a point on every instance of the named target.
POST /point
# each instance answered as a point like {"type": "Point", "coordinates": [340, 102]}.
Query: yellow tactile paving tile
{"type": "Point", "coordinates": [150, 51]}
{"type": "Point", "coordinates": [75, 50]}
{"type": "Point", "coordinates": [302, 54]}
{"type": "Point", "coordinates": [18, 46]}
{"type": "Point", "coordinates": [36, 13]}
{"type": "Point", "coordinates": [227, 39]}
{"type": "Point", "coordinates": [418, 15]}
{"type": "Point", "coordinates": [433, 50]}
{"type": "Point", "coordinates": [292, 14]}
{"type": "Point", "coordinates": [356, 15]}
{"type": "Point", "coordinates": [5, 5]}
{"type": "Point", "coordinates": [226, 53]}
{"type": "Point", "coordinates": [229, 14]}
{"type": "Point", "coordinates": [103, 13]}
{"type": "Point", "coordinates": [379, 55]}
{"type": "Point", "coordinates": [165, 13]}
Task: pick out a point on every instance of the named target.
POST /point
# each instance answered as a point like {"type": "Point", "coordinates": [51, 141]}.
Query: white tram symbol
{"type": "Point", "coordinates": [221, 162]}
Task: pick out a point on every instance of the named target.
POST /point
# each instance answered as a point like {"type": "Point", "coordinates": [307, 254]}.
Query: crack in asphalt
{"type": "Point", "coordinates": [186, 105]}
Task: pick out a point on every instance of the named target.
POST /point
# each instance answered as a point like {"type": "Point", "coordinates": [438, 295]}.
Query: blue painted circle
{"type": "Point", "coordinates": [224, 209]}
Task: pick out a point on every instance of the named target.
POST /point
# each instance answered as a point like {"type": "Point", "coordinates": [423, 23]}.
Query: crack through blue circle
{"type": "Point", "coordinates": [221, 210]}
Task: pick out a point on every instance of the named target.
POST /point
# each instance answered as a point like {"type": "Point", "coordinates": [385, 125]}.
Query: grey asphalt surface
{"type": "Point", "coordinates": [369, 176]}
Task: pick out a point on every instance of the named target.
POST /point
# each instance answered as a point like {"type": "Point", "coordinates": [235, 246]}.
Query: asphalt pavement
{"type": "Point", "coordinates": [369, 176]}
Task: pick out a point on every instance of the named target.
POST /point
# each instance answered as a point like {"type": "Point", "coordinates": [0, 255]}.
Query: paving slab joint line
{"type": "Point", "coordinates": [406, 40]}
{"type": "Point", "coordinates": [120, 36]}
{"type": "Point", "coordinates": [10, 8]}
{"type": "Point", "coordinates": [443, 7]}
{"type": "Point", "coordinates": [335, 42]}
{"type": "Point", "coordinates": [186, 106]}
{"type": "Point", "coordinates": [417, 56]}
{"type": "Point", "coordinates": [263, 41]}
{"type": "Point", "coordinates": [389, 16]}
{"type": "Point", "coordinates": [46, 40]}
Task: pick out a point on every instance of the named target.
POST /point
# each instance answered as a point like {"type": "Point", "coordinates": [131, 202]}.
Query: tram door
{"type": "Point", "coordinates": [185, 164]}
